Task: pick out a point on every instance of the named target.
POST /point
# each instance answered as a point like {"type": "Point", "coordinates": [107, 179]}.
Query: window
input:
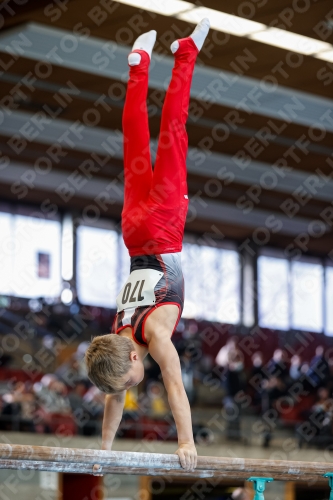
{"type": "Point", "coordinates": [97, 266]}
{"type": "Point", "coordinates": [190, 259]}
{"type": "Point", "coordinates": [6, 253]}
{"type": "Point", "coordinates": [37, 257]}
{"type": "Point", "coordinates": [291, 294]}
{"type": "Point", "coordinates": [124, 264]}
{"type": "Point", "coordinates": [329, 301]}
{"type": "Point", "coordinates": [212, 283]}
{"type": "Point", "coordinates": [30, 256]}
{"type": "Point", "coordinates": [273, 294]}
{"type": "Point", "coordinates": [307, 285]}
{"type": "Point", "coordinates": [229, 300]}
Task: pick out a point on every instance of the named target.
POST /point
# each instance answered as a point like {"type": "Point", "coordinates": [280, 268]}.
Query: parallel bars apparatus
{"type": "Point", "coordinates": [75, 460]}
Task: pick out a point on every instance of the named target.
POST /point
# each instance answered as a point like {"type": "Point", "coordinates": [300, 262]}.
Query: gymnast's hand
{"type": "Point", "coordinates": [96, 469]}
{"type": "Point", "coordinates": [188, 456]}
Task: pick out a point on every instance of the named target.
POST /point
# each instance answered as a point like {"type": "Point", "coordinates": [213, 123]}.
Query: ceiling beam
{"type": "Point", "coordinates": [199, 162]}
{"type": "Point", "coordinates": [100, 193]}
{"type": "Point", "coordinates": [209, 123]}
{"type": "Point", "coordinates": [63, 48]}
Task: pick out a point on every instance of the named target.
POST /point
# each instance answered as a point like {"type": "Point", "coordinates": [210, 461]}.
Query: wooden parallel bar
{"type": "Point", "coordinates": [154, 464]}
{"type": "Point", "coordinates": [79, 468]}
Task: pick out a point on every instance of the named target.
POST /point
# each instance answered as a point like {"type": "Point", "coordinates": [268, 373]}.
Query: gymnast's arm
{"type": "Point", "coordinates": [164, 352]}
{"type": "Point", "coordinates": [113, 411]}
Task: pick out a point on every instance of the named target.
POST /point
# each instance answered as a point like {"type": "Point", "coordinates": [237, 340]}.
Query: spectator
{"type": "Point", "coordinates": [257, 363]}
{"type": "Point", "coordinates": [18, 409]}
{"type": "Point", "coordinates": [233, 377]}
{"type": "Point", "coordinates": [75, 396]}
{"type": "Point", "coordinates": [222, 357]}
{"type": "Point", "coordinates": [295, 370]}
{"type": "Point", "coordinates": [92, 410]}
{"type": "Point", "coordinates": [94, 402]}
{"type": "Point", "coordinates": [318, 374]}
{"type": "Point", "coordinates": [277, 366]}
{"type": "Point", "coordinates": [231, 359]}
{"type": "Point", "coordinates": [256, 379]}
{"type": "Point", "coordinates": [74, 369]}
{"type": "Point", "coordinates": [52, 401]}
{"type": "Point", "coordinates": [321, 420]}
{"type": "Point", "coordinates": [324, 403]}
{"type": "Point", "coordinates": [52, 395]}
{"type": "Point", "coordinates": [274, 386]}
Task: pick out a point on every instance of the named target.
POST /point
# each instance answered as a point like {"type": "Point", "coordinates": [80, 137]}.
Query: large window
{"type": "Point", "coordinates": [30, 256]}
{"type": "Point", "coordinates": [212, 283]}
{"type": "Point", "coordinates": [329, 301]}
{"type": "Point", "coordinates": [7, 249]}
{"type": "Point", "coordinates": [97, 266]}
{"type": "Point", "coordinates": [124, 263]}
{"type": "Point", "coordinates": [273, 295]}
{"type": "Point", "coordinates": [212, 275]}
{"type": "Point", "coordinates": [293, 294]}
{"type": "Point", "coordinates": [307, 286]}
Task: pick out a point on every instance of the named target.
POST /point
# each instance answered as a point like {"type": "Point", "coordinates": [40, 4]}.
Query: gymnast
{"type": "Point", "coordinates": [150, 303]}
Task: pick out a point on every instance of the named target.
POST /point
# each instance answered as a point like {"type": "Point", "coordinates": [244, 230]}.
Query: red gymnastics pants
{"type": "Point", "coordinates": [156, 203]}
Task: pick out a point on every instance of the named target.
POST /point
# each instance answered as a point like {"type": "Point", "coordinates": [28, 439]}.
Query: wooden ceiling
{"type": "Point", "coordinates": [292, 71]}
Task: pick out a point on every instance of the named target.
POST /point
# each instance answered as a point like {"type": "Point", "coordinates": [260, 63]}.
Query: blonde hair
{"type": "Point", "coordinates": [108, 359]}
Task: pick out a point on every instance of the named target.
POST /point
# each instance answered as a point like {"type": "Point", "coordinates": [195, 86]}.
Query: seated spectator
{"type": "Point", "coordinates": [75, 396]}
{"type": "Point", "coordinates": [52, 395]}
{"type": "Point", "coordinates": [295, 370]}
{"type": "Point", "coordinates": [89, 407]}
{"type": "Point", "coordinates": [74, 369]}
{"type": "Point", "coordinates": [18, 409]}
{"type": "Point", "coordinates": [52, 402]}
{"type": "Point", "coordinates": [319, 421]}
{"type": "Point", "coordinates": [318, 374]}
{"type": "Point", "coordinates": [277, 381]}
{"type": "Point", "coordinates": [277, 366]}
{"type": "Point", "coordinates": [93, 401]}
{"type": "Point", "coordinates": [324, 403]}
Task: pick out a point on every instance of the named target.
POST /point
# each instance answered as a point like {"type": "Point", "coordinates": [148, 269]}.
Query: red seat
{"type": "Point", "coordinates": [295, 414]}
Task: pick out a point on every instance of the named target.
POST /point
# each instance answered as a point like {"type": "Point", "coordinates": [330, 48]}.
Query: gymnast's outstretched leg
{"type": "Point", "coordinates": [169, 187]}
{"type": "Point", "coordinates": [137, 162]}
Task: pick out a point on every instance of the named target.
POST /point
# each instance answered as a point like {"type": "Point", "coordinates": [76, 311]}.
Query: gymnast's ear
{"type": "Point", "coordinates": [134, 356]}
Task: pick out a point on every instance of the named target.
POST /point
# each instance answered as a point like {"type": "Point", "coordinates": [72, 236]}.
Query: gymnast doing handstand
{"type": "Point", "coordinates": [151, 301]}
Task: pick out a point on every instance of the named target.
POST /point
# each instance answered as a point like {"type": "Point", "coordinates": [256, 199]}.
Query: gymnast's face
{"type": "Point", "coordinates": [136, 372]}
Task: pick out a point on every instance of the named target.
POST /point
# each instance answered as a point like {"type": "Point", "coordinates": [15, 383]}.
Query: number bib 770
{"type": "Point", "coordinates": [138, 290]}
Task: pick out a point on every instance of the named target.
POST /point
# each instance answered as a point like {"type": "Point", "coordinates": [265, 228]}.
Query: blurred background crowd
{"type": "Point", "coordinates": [262, 388]}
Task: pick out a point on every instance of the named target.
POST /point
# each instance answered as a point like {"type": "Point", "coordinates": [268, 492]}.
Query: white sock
{"type": "Point", "coordinates": [144, 42]}
{"type": "Point", "coordinates": [198, 36]}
